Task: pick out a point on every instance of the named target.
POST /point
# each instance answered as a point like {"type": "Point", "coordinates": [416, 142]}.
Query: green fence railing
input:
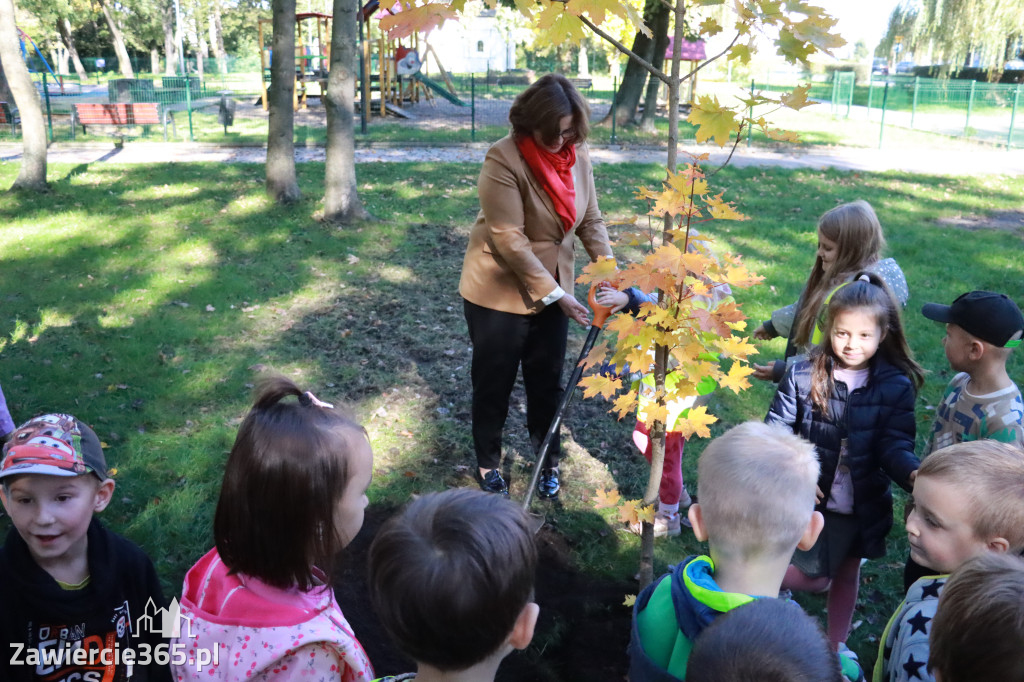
{"type": "Point", "coordinates": [985, 112]}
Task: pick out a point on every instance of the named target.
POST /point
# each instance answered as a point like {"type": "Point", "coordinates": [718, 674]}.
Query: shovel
{"type": "Point", "coordinates": [601, 314]}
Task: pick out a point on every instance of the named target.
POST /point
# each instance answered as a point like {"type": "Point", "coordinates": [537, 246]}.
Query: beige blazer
{"type": "Point", "coordinates": [518, 250]}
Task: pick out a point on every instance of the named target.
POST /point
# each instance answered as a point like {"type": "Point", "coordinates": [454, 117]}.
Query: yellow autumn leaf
{"type": "Point", "coordinates": [793, 48]}
{"type": "Point", "coordinates": [627, 511]}
{"type": "Point", "coordinates": [601, 270]}
{"type": "Point", "coordinates": [629, 601]}
{"type": "Point", "coordinates": [597, 9]}
{"type": "Point", "coordinates": [596, 384]}
{"type": "Point", "coordinates": [713, 120]}
{"type": "Point", "coordinates": [637, 20]}
{"type": "Point", "coordinates": [740, 53]}
{"type": "Point", "coordinates": [709, 27]}
{"type": "Point", "coordinates": [687, 183]}
{"type": "Point", "coordinates": [721, 209]}
{"type": "Point", "coordinates": [797, 99]}
{"type": "Point", "coordinates": [606, 499]}
{"type": "Point", "coordinates": [782, 135]}
{"type": "Point", "coordinates": [739, 276]}
{"type": "Point", "coordinates": [735, 347]}
{"type": "Point", "coordinates": [646, 513]}
{"type": "Point", "coordinates": [416, 19]}
{"type": "Point", "coordinates": [625, 404]}
{"type": "Point", "coordinates": [697, 421]}
{"type": "Point", "coordinates": [736, 378]}
{"type": "Point", "coordinates": [596, 355]}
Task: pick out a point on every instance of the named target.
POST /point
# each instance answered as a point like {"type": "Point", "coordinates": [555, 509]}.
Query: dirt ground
{"type": "Point", "coordinates": [582, 632]}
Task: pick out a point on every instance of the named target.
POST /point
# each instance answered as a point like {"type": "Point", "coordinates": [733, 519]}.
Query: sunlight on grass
{"type": "Point", "coordinates": [155, 334]}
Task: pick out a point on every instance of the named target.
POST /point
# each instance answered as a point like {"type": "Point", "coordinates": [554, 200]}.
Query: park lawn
{"type": "Point", "coordinates": [147, 300]}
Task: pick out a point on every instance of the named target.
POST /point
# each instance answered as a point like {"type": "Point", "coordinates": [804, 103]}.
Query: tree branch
{"type": "Point", "coordinates": [657, 73]}
{"type": "Point", "coordinates": [739, 136]}
{"type": "Point", "coordinates": [713, 59]}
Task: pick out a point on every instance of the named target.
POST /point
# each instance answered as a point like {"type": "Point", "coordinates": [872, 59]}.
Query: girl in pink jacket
{"type": "Point", "coordinates": [259, 606]}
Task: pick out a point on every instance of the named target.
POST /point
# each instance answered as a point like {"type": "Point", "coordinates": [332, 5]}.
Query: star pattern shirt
{"type": "Point", "coordinates": [903, 655]}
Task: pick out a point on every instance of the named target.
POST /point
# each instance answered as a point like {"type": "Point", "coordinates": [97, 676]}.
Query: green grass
{"type": "Point", "coordinates": [147, 300]}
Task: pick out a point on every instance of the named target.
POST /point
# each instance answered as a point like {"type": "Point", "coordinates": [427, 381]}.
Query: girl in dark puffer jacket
{"type": "Point", "coordinates": [853, 398]}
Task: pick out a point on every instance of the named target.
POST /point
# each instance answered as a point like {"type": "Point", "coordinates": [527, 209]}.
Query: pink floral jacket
{"type": "Point", "coordinates": [234, 627]}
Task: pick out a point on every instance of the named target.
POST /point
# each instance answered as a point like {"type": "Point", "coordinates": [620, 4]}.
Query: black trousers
{"type": "Point", "coordinates": [501, 343]}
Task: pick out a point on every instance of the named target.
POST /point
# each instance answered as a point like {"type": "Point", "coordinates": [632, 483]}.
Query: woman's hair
{"type": "Point", "coordinates": [544, 104]}
{"type": "Point", "coordinates": [766, 640]}
{"type": "Point", "coordinates": [450, 575]}
{"type": "Point", "coordinates": [869, 291]}
{"type": "Point", "coordinates": [286, 472]}
{"type": "Point", "coordinates": [857, 234]}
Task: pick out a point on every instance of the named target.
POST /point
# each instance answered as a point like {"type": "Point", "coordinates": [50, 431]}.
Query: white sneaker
{"type": "Point", "coordinates": [666, 524]}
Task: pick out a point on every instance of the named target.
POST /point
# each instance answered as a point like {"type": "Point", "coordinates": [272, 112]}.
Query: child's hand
{"type": "Point", "coordinates": [763, 372]}
{"type": "Point", "coordinates": [761, 333]}
{"type": "Point", "coordinates": [818, 495]}
{"type": "Point", "coordinates": [612, 298]}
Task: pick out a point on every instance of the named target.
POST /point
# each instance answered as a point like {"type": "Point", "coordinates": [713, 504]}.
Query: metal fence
{"type": "Point", "coordinates": [984, 112]}
{"type": "Point", "coordinates": [229, 109]}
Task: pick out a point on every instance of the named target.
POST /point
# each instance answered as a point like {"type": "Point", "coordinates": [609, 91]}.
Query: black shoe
{"type": "Point", "coordinates": [548, 485]}
{"type": "Point", "coordinates": [494, 483]}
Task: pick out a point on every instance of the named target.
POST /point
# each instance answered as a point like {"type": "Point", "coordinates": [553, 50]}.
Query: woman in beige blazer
{"type": "Point", "coordinates": [537, 196]}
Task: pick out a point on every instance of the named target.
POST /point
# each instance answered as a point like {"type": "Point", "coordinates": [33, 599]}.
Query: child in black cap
{"type": "Point", "coordinates": [982, 329]}
{"type": "Point", "coordinates": [981, 401]}
{"type": "Point", "coordinates": [71, 591]}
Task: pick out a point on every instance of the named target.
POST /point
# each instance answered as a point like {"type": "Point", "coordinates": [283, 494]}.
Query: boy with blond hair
{"type": "Point", "coordinates": [981, 401]}
{"type": "Point", "coordinates": [968, 500]}
{"type": "Point", "coordinates": [757, 495]}
{"type": "Point", "coordinates": [978, 632]}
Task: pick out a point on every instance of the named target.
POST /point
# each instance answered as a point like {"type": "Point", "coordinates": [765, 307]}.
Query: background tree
{"type": "Point", "coordinates": [217, 36]}
{"type": "Point", "coordinates": [32, 175]}
{"type": "Point", "coordinates": [282, 184]}
{"type": "Point", "coordinates": [124, 62]}
{"type": "Point", "coordinates": [955, 32]}
{"type": "Point", "coordinates": [341, 197]}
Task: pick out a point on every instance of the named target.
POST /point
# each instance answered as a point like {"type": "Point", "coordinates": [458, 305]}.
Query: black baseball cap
{"type": "Point", "coordinates": [993, 318]}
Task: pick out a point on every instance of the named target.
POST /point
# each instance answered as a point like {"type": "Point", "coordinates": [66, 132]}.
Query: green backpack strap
{"type": "Point", "coordinates": [819, 323]}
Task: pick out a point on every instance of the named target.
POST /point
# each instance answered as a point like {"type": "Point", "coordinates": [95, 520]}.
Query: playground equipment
{"type": "Point", "coordinates": [312, 56]}
{"type": "Point", "coordinates": [22, 37]}
{"type": "Point", "coordinates": [394, 69]}
{"type": "Point", "coordinates": [388, 67]}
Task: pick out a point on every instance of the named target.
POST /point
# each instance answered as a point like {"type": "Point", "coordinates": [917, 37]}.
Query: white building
{"type": "Point", "coordinates": [473, 44]}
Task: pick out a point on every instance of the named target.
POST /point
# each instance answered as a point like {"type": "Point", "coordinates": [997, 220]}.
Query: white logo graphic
{"type": "Point", "coordinates": [164, 622]}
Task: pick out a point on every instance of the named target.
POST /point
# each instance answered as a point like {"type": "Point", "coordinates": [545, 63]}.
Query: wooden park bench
{"type": "Point", "coordinates": [582, 83]}
{"type": "Point", "coordinates": [117, 115]}
{"type": "Point", "coordinates": [9, 116]}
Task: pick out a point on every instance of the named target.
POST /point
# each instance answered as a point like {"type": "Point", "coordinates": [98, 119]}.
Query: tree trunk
{"type": "Point", "coordinates": [32, 175]}
{"type": "Point", "coordinates": [341, 198]}
{"type": "Point", "coordinates": [5, 89]}
{"type": "Point", "coordinates": [217, 38]}
{"type": "Point", "coordinates": [660, 31]}
{"type": "Point", "coordinates": [64, 29]}
{"type": "Point", "coordinates": [282, 185]}
{"type": "Point", "coordinates": [154, 61]}
{"type": "Point", "coordinates": [170, 47]}
{"type": "Point", "coordinates": [202, 52]}
{"type": "Point", "coordinates": [124, 62]}
{"type": "Point", "coordinates": [631, 88]}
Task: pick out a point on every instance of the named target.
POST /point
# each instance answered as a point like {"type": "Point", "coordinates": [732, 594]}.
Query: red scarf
{"type": "Point", "coordinates": [554, 173]}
